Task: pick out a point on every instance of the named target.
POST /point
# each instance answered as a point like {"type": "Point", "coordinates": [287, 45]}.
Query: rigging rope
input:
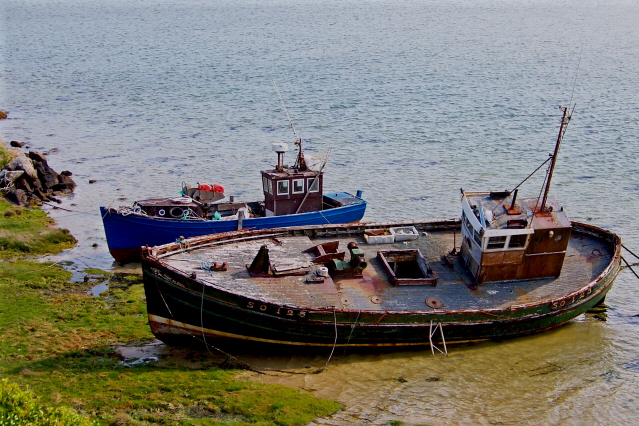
{"type": "Point", "coordinates": [536, 170]}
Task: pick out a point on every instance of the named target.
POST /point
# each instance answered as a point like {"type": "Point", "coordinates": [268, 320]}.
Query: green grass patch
{"type": "Point", "coordinates": [5, 155]}
{"type": "Point", "coordinates": [44, 315]}
{"type": "Point", "coordinates": [20, 407]}
{"type": "Point", "coordinates": [30, 232]}
{"type": "Point", "coordinates": [57, 341]}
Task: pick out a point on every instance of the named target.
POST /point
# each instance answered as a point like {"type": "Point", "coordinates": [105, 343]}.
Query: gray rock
{"type": "Point", "coordinates": [22, 162]}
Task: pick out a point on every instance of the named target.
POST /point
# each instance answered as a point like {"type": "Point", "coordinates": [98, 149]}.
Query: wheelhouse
{"type": "Point", "coordinates": [290, 191]}
{"type": "Point", "coordinates": [507, 239]}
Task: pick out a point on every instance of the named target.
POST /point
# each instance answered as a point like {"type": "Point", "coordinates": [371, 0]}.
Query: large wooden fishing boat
{"type": "Point", "coordinates": [293, 196]}
{"type": "Point", "coordinates": [508, 267]}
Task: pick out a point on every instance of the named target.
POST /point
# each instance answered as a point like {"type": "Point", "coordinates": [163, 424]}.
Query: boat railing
{"type": "Point", "coordinates": [312, 231]}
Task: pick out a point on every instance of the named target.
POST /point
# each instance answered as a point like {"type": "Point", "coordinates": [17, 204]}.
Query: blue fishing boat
{"type": "Point", "coordinates": [293, 196]}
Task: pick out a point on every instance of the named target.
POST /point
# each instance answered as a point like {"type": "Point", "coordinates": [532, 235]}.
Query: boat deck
{"type": "Point", "coordinates": [586, 258]}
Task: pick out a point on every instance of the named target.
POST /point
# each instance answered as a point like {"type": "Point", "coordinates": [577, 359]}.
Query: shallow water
{"type": "Point", "coordinates": [415, 98]}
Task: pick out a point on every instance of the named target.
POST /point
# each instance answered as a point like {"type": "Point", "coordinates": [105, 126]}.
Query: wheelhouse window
{"type": "Point", "coordinates": [282, 187]}
{"type": "Point", "coordinates": [477, 238]}
{"type": "Point", "coordinates": [467, 224]}
{"type": "Point", "coordinates": [496, 243]}
{"type": "Point", "coordinates": [518, 241]}
{"type": "Point", "coordinates": [298, 186]}
{"type": "Point", "coordinates": [313, 184]}
{"type": "Point", "coordinates": [266, 184]}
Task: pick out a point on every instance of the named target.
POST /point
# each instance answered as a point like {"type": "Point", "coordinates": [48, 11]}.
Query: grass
{"type": "Point", "coordinates": [19, 407]}
{"type": "Point", "coordinates": [29, 232]}
{"type": "Point", "coordinates": [58, 342]}
{"type": "Point", "coordinates": [5, 155]}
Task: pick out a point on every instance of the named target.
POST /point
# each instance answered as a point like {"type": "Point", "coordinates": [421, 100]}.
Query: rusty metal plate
{"type": "Point", "coordinates": [434, 302]}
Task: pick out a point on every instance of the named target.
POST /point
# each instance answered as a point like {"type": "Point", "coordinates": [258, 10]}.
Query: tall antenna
{"type": "Point", "coordinates": [286, 111]}
{"type": "Point", "coordinates": [565, 119]}
{"type": "Point", "coordinates": [575, 82]}
{"type": "Point", "coordinates": [300, 163]}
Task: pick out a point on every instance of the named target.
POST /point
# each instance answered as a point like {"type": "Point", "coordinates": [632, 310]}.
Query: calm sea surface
{"type": "Point", "coordinates": [415, 98]}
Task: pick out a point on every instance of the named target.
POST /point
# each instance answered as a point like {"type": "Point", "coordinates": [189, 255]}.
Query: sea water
{"type": "Point", "coordinates": [414, 100]}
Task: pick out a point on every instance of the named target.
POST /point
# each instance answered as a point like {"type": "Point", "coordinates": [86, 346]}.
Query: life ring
{"type": "Point", "coordinates": [176, 212]}
{"type": "Point", "coordinates": [161, 212]}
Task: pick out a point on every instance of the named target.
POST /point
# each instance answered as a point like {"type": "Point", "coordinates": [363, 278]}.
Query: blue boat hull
{"type": "Point", "coordinates": [126, 234]}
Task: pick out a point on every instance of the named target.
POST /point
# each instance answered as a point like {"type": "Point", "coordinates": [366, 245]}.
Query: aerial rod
{"type": "Point", "coordinates": [297, 139]}
{"type": "Point", "coordinates": [300, 163]}
{"type": "Point", "coordinates": [562, 129]}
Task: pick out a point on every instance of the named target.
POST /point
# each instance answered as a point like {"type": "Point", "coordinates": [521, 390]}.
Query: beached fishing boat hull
{"type": "Point", "coordinates": [126, 233]}
{"type": "Point", "coordinates": [184, 311]}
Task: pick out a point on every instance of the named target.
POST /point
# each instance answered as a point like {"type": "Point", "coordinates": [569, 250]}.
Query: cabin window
{"type": "Point", "coordinates": [477, 238]}
{"type": "Point", "coordinates": [313, 184]}
{"type": "Point", "coordinates": [265, 184]}
{"type": "Point", "coordinates": [469, 227]}
{"type": "Point", "coordinates": [518, 241]}
{"type": "Point", "coordinates": [298, 186]}
{"type": "Point", "coordinates": [496, 243]}
{"type": "Point", "coordinates": [270, 186]}
{"type": "Point", "coordinates": [282, 187]}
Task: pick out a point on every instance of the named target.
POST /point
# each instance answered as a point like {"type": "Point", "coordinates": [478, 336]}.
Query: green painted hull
{"type": "Point", "coordinates": [181, 310]}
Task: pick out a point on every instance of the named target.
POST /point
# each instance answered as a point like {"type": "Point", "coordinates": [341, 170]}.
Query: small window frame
{"type": "Point", "coordinates": [515, 242]}
{"type": "Point", "coordinates": [477, 238]}
{"type": "Point", "coordinates": [313, 187]}
{"type": "Point", "coordinates": [298, 186]}
{"type": "Point", "coordinates": [496, 242]}
{"type": "Point", "coordinates": [283, 187]}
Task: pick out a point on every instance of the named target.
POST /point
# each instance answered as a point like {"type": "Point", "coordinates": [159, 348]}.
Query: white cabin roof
{"type": "Point", "coordinates": [492, 212]}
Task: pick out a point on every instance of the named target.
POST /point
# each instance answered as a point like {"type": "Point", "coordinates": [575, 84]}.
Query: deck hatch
{"type": "Point", "coordinates": [407, 267]}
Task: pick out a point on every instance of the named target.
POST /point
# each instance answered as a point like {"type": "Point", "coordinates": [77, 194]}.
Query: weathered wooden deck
{"type": "Point", "coordinates": [586, 258]}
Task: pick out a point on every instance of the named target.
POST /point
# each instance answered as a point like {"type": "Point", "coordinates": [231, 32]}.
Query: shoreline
{"type": "Point", "coordinates": [84, 357]}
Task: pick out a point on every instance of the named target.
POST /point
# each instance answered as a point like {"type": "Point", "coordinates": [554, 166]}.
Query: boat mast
{"type": "Point", "coordinates": [564, 123]}
{"type": "Point", "coordinates": [300, 164]}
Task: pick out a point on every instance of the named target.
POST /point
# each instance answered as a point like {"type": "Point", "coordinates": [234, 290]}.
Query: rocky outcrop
{"type": "Point", "coordinates": [29, 180]}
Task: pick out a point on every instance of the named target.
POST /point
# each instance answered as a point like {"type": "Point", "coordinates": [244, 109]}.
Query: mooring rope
{"type": "Point", "coordinates": [352, 329]}
{"type": "Point", "coordinates": [629, 267]}
{"type": "Point", "coordinates": [66, 256]}
{"type": "Point", "coordinates": [335, 342]}
{"type": "Point", "coordinates": [202, 318]}
{"type": "Point", "coordinates": [162, 296]}
{"type": "Point", "coordinates": [629, 251]}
